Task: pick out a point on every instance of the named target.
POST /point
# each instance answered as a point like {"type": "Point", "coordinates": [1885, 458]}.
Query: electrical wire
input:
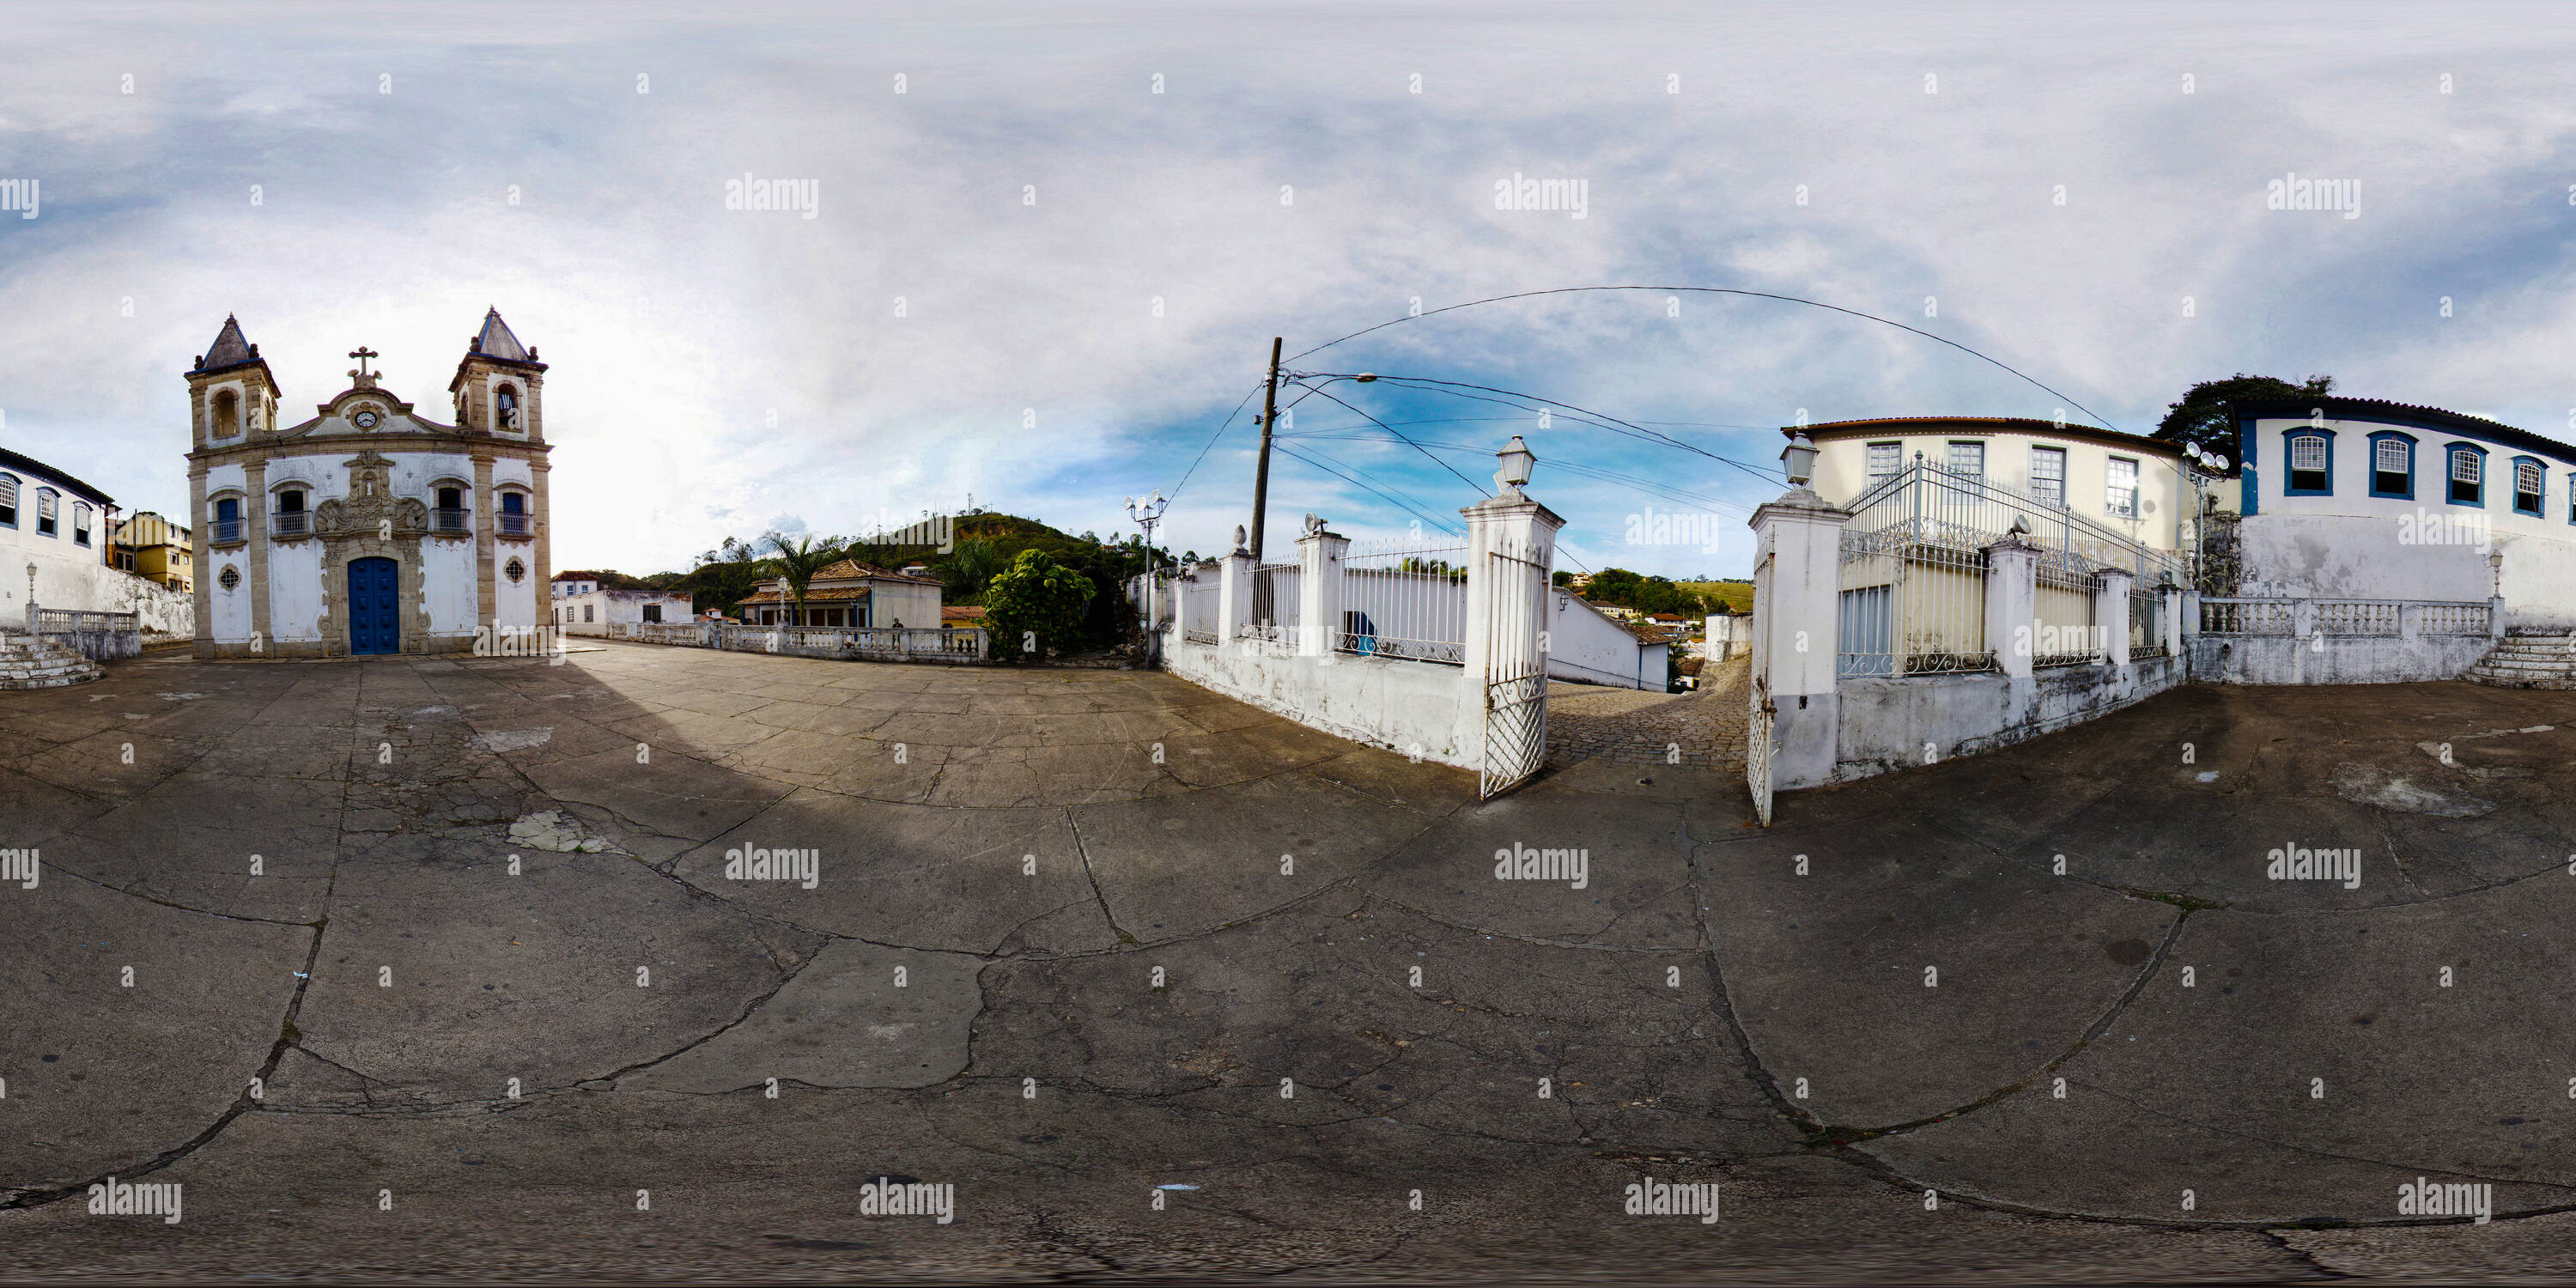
{"type": "Point", "coordinates": [1720, 290]}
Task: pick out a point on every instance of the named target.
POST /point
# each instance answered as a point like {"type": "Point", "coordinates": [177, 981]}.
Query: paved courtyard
{"type": "Point", "coordinates": [1164, 986]}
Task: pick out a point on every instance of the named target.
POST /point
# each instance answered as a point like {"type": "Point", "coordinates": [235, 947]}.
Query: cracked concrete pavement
{"type": "Point", "coordinates": [1060, 937]}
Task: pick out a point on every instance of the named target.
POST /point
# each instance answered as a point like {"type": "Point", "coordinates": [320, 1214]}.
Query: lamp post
{"type": "Point", "coordinates": [31, 596]}
{"type": "Point", "coordinates": [1517, 462]}
{"type": "Point", "coordinates": [1798, 461]}
{"type": "Point", "coordinates": [1147, 514]}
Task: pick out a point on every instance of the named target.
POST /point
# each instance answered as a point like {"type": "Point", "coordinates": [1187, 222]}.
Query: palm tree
{"type": "Point", "coordinates": [796, 565]}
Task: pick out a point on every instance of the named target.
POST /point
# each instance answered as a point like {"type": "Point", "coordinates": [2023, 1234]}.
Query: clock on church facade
{"type": "Point", "coordinates": [368, 528]}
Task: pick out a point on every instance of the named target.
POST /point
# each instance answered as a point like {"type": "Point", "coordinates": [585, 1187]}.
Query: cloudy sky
{"type": "Point", "coordinates": [1050, 243]}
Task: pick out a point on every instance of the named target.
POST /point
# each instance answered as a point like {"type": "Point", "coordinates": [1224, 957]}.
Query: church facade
{"type": "Point", "coordinates": [367, 529]}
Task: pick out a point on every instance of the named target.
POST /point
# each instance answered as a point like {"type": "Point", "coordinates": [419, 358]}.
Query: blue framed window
{"type": "Point", "coordinates": [2530, 484]}
{"type": "Point", "coordinates": [2309, 467]}
{"type": "Point", "coordinates": [49, 508]}
{"type": "Point", "coordinates": [2392, 465]}
{"type": "Point", "coordinates": [228, 520]}
{"type": "Point", "coordinates": [80, 523]}
{"type": "Point", "coordinates": [2571, 498]}
{"type": "Point", "coordinates": [2465, 472]}
{"type": "Point", "coordinates": [8, 500]}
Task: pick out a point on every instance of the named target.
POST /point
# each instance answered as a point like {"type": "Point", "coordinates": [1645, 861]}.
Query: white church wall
{"type": "Point", "coordinates": [447, 580]}
{"type": "Point", "coordinates": [295, 590]}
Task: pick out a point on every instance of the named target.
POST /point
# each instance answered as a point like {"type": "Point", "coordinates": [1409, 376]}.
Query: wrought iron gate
{"type": "Point", "coordinates": [1757, 748]}
{"type": "Point", "coordinates": [1515, 672]}
{"type": "Point", "coordinates": [1757, 730]}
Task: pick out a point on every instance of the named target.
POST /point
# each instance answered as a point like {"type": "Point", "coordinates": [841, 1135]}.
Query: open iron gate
{"type": "Point", "coordinates": [1515, 672]}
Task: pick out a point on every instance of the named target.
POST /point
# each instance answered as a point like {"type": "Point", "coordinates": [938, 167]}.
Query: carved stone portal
{"type": "Point", "coordinates": [369, 521]}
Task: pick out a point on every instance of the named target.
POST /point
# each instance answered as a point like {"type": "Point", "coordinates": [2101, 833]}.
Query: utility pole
{"type": "Point", "coordinates": [1261, 473]}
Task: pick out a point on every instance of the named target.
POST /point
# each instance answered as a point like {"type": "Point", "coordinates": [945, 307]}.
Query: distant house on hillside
{"type": "Point", "coordinates": [583, 606]}
{"type": "Point", "coordinates": [850, 593]}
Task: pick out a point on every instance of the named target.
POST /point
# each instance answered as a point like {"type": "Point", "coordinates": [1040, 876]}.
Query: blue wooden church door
{"type": "Point", "coordinates": [374, 595]}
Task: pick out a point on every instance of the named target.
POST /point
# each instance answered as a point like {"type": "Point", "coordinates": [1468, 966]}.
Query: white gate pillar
{"type": "Point", "coordinates": [2012, 603]}
{"type": "Point", "coordinates": [1797, 597]}
{"type": "Point", "coordinates": [1511, 524]}
{"type": "Point", "coordinates": [2111, 614]}
{"type": "Point", "coordinates": [1233, 593]}
{"type": "Point", "coordinates": [1319, 590]}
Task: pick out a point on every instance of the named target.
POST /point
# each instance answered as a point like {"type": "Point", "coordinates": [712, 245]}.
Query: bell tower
{"type": "Point", "coordinates": [232, 398]}
{"type": "Point", "coordinates": [500, 386]}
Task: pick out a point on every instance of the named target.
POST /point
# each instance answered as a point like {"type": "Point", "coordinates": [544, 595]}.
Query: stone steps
{"type": "Point", "coordinates": [2529, 661]}
{"type": "Point", "coordinates": [33, 662]}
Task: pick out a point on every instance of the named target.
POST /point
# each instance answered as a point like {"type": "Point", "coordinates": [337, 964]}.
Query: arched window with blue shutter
{"type": "Point", "coordinates": [2392, 465]}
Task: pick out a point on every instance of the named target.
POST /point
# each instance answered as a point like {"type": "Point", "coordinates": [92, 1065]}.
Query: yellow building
{"type": "Point", "coordinates": [155, 549]}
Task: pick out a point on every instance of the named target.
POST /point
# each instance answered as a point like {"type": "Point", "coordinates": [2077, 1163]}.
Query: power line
{"type": "Point", "coordinates": [1721, 290]}
{"type": "Point", "coordinates": [1451, 386]}
{"type": "Point", "coordinates": [1471, 483]}
{"type": "Point", "coordinates": [1581, 469]}
{"type": "Point", "coordinates": [1211, 443]}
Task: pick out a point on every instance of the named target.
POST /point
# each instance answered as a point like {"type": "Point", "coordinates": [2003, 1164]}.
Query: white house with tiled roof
{"type": "Point", "coordinates": [850, 593]}
{"type": "Point", "coordinates": [367, 528]}
{"type": "Point", "coordinates": [2358, 499]}
{"type": "Point", "coordinates": [2129, 483]}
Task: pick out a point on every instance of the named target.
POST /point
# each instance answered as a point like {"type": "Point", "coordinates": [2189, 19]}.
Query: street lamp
{"type": "Point", "coordinates": [1798, 461]}
{"type": "Point", "coordinates": [1517, 460]}
{"type": "Point", "coordinates": [1147, 514]}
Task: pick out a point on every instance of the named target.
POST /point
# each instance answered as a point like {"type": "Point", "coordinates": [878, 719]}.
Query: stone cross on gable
{"type": "Point", "coordinates": [366, 379]}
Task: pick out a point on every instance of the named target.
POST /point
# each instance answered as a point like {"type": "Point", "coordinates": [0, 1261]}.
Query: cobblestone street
{"type": "Point", "coordinates": [1625, 726]}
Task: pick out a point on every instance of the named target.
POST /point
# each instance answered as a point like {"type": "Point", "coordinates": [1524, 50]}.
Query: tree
{"type": "Point", "coordinates": [796, 565]}
{"type": "Point", "coordinates": [971, 566]}
{"type": "Point", "coordinates": [724, 577]}
{"type": "Point", "coordinates": [2202, 417]}
{"type": "Point", "coordinates": [1037, 602]}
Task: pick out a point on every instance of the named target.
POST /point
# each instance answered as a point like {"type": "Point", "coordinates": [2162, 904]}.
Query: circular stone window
{"type": "Point", "coordinates": [517, 571]}
{"type": "Point", "coordinates": [229, 577]}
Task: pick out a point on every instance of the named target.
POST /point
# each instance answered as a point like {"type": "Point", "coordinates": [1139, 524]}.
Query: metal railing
{"type": "Point", "coordinates": [100, 637]}
{"type": "Point", "coordinates": [2146, 623]}
{"type": "Point", "coordinates": [1201, 602]}
{"type": "Point", "coordinates": [514, 523]}
{"type": "Point", "coordinates": [227, 531]}
{"type": "Point", "coordinates": [2066, 632]}
{"type": "Point", "coordinates": [1914, 571]}
{"type": "Point", "coordinates": [1914, 575]}
{"type": "Point", "coordinates": [447, 519]}
{"type": "Point", "coordinates": [290, 523]}
{"type": "Point", "coordinates": [1405, 599]}
{"type": "Point", "coordinates": [1275, 603]}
